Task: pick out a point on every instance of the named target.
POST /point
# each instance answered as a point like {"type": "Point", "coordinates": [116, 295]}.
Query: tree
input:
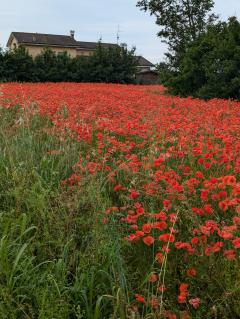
{"type": "Point", "coordinates": [163, 71]}
{"type": "Point", "coordinates": [2, 65]}
{"type": "Point", "coordinates": [62, 64]}
{"type": "Point", "coordinates": [112, 65]}
{"type": "Point", "coordinates": [181, 22]}
{"type": "Point", "coordinates": [18, 65]}
{"type": "Point", "coordinates": [46, 66]}
{"type": "Point", "coordinates": [79, 69]}
{"type": "Point", "coordinates": [211, 65]}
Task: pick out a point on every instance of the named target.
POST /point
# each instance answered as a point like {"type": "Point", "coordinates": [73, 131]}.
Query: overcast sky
{"type": "Point", "coordinates": [93, 19]}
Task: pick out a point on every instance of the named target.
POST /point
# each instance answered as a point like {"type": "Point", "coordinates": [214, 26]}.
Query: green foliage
{"type": "Point", "coordinates": [163, 71]}
{"type": "Point", "coordinates": [79, 69]}
{"type": "Point", "coordinates": [17, 65]}
{"type": "Point", "coordinates": [114, 65]}
{"type": "Point", "coordinates": [204, 56]}
{"type": "Point", "coordinates": [46, 66]}
{"type": "Point", "coordinates": [56, 258]}
{"type": "Point", "coordinates": [2, 66]}
{"type": "Point", "coordinates": [181, 22]}
{"type": "Point", "coordinates": [211, 64]}
{"type": "Point", "coordinates": [111, 65]}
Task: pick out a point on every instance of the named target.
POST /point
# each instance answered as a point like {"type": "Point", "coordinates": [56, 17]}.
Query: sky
{"type": "Point", "coordinates": [92, 20]}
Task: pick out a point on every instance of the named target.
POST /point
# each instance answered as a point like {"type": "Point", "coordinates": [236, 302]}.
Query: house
{"type": "Point", "coordinates": [144, 64]}
{"type": "Point", "coordinates": [147, 77]}
{"type": "Point", "coordinates": [36, 42]}
{"type": "Point", "coordinates": [145, 72]}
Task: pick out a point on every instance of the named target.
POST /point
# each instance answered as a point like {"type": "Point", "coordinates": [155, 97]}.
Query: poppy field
{"type": "Point", "coordinates": [118, 201]}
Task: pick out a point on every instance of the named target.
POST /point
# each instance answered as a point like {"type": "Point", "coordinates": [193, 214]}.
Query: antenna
{"type": "Point", "coordinates": [118, 34]}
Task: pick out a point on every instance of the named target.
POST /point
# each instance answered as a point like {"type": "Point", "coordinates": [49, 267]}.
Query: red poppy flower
{"type": "Point", "coordinates": [148, 240]}
{"type": "Point", "coordinates": [147, 228]}
{"type": "Point", "coordinates": [139, 298]}
{"type": "Point", "coordinates": [133, 194]}
{"type": "Point", "coordinates": [195, 302]}
{"type": "Point", "coordinates": [167, 238]}
{"type": "Point", "coordinates": [153, 278]}
{"type": "Point", "coordinates": [236, 242]}
{"type": "Point", "coordinates": [191, 272]}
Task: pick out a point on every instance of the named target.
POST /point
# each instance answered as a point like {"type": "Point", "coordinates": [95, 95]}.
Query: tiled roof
{"type": "Point", "coordinates": [144, 62]}
{"type": "Point", "coordinates": [55, 40]}
{"type": "Point", "coordinates": [44, 39]}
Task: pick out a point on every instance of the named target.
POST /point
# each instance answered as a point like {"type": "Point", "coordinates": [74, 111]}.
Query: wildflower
{"type": "Point", "coordinates": [169, 315]}
{"type": "Point", "coordinates": [191, 272]}
{"type": "Point", "coordinates": [230, 254]}
{"type": "Point", "coordinates": [173, 218]}
{"type": "Point", "coordinates": [148, 240]}
{"type": "Point", "coordinates": [161, 289]}
{"type": "Point", "coordinates": [199, 175]}
{"type": "Point", "coordinates": [140, 233]}
{"type": "Point", "coordinates": [147, 228]}
{"type": "Point", "coordinates": [223, 205]}
{"type": "Point", "coordinates": [140, 210]}
{"type": "Point", "coordinates": [160, 225]}
{"type": "Point", "coordinates": [229, 180]}
{"type": "Point", "coordinates": [139, 298]}
{"type": "Point", "coordinates": [208, 209]}
{"type": "Point", "coordinates": [185, 315]}
{"type": "Point", "coordinates": [161, 216]}
{"type": "Point", "coordinates": [153, 278]}
{"type": "Point", "coordinates": [166, 204]}
{"type": "Point", "coordinates": [236, 242]}
{"type": "Point", "coordinates": [160, 257]}
{"type": "Point", "coordinates": [133, 194]}
{"type": "Point", "coordinates": [204, 195]}
{"type": "Point", "coordinates": [117, 188]}
{"type": "Point", "coordinates": [195, 302]}
{"type": "Point", "coordinates": [194, 240]}
{"type": "Point", "coordinates": [167, 238]}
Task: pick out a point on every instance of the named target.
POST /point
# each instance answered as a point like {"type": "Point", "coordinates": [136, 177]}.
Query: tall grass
{"type": "Point", "coordinates": [56, 258]}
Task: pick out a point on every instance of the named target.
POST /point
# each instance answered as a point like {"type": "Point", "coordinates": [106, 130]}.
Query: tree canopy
{"type": "Point", "coordinates": [211, 65]}
{"type": "Point", "coordinates": [109, 65]}
{"type": "Point", "coordinates": [181, 21]}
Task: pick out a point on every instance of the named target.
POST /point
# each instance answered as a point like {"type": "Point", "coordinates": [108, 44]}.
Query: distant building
{"type": "Point", "coordinates": [36, 42]}
{"type": "Point", "coordinates": [144, 64]}
{"type": "Point", "coordinates": [146, 73]}
{"type": "Point", "coordinates": [147, 77]}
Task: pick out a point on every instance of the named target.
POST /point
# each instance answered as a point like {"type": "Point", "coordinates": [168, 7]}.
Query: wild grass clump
{"type": "Point", "coordinates": [56, 258]}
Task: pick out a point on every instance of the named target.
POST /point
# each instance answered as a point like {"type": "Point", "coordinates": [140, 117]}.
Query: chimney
{"type": "Point", "coordinates": [72, 32]}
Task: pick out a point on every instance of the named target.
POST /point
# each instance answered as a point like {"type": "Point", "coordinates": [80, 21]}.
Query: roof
{"type": "Point", "coordinates": [44, 39]}
{"type": "Point", "coordinates": [54, 40]}
{"type": "Point", "coordinates": [93, 45]}
{"type": "Point", "coordinates": [144, 62]}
